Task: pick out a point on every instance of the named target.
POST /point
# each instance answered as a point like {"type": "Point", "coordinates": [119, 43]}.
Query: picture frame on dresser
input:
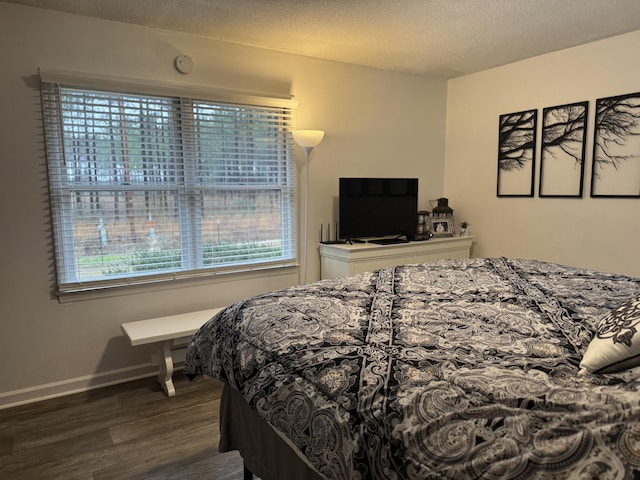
{"type": "Point", "coordinates": [441, 227]}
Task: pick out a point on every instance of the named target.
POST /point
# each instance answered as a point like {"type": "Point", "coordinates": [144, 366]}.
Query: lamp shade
{"type": "Point", "coordinates": [308, 138]}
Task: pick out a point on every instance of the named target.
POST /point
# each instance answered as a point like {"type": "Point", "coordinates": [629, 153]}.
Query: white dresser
{"type": "Point", "coordinates": [338, 260]}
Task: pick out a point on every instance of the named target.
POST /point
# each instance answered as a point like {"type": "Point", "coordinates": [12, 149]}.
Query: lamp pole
{"type": "Point", "coordinates": [307, 139]}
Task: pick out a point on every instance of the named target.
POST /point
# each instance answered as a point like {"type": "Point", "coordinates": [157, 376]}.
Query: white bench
{"type": "Point", "coordinates": [171, 333]}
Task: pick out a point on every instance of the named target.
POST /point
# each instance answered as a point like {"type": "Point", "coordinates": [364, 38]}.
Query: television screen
{"type": "Point", "coordinates": [377, 207]}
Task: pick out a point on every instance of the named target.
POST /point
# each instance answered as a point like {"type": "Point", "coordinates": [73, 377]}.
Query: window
{"type": "Point", "coordinates": [147, 188]}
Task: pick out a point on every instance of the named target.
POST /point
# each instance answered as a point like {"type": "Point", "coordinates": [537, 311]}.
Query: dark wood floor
{"type": "Point", "coordinates": [129, 431]}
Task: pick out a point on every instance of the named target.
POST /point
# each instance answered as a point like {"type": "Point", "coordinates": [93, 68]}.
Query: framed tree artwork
{"type": "Point", "coordinates": [562, 154]}
{"type": "Point", "coordinates": [616, 147]}
{"type": "Point", "coordinates": [516, 154]}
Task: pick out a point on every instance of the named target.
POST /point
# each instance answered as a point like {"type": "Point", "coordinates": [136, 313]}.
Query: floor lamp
{"type": "Point", "coordinates": [307, 139]}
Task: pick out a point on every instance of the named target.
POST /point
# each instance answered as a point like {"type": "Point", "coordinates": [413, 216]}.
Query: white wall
{"type": "Point", "coordinates": [377, 123]}
{"type": "Point", "coordinates": [599, 233]}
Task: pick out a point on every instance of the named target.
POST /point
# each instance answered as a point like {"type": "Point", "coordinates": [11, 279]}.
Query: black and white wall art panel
{"type": "Point", "coordinates": [562, 153]}
{"type": "Point", "coordinates": [516, 154]}
{"type": "Point", "coordinates": [616, 147]}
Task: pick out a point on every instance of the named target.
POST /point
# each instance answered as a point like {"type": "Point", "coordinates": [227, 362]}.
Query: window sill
{"type": "Point", "coordinates": [145, 285]}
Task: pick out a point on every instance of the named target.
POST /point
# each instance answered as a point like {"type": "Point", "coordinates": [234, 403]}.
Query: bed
{"type": "Point", "coordinates": [476, 368]}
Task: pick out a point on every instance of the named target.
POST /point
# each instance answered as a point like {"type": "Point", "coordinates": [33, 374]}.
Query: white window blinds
{"type": "Point", "coordinates": [148, 188]}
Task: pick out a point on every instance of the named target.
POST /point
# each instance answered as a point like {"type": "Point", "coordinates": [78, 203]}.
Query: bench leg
{"type": "Point", "coordinates": [165, 377]}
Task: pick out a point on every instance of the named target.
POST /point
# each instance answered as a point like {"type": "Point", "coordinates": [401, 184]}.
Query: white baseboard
{"type": "Point", "coordinates": [75, 385]}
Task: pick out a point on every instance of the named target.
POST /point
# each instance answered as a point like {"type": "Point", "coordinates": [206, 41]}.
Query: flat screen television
{"type": "Point", "coordinates": [377, 207]}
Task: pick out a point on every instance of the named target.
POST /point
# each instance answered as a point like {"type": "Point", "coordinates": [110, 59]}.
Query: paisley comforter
{"type": "Point", "coordinates": [452, 369]}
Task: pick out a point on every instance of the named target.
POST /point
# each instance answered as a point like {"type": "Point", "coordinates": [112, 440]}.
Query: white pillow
{"type": "Point", "coordinates": [616, 345]}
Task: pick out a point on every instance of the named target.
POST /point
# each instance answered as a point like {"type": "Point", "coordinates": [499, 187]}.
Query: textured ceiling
{"type": "Point", "coordinates": [427, 37]}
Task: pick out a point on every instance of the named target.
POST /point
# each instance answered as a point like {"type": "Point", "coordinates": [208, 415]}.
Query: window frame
{"type": "Point", "coordinates": [64, 253]}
